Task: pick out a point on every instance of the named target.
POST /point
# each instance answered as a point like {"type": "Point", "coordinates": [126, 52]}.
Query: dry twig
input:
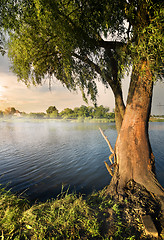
{"type": "Point", "coordinates": [106, 139]}
{"type": "Point", "coordinates": [109, 168]}
{"type": "Point", "coordinates": [111, 156]}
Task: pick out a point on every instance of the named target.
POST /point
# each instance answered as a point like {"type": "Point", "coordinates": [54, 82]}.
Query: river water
{"type": "Point", "coordinates": [40, 157]}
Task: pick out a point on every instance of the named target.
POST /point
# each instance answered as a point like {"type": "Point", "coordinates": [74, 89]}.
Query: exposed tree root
{"type": "Point", "coordinates": [146, 202]}
{"type": "Point", "coordinates": [141, 203]}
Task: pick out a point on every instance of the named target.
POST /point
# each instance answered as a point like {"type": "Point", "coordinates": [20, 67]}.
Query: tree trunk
{"type": "Point", "coordinates": [134, 158]}
{"type": "Point", "coordinates": [119, 111]}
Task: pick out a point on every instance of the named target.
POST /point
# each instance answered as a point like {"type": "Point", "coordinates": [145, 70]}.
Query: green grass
{"type": "Point", "coordinates": [156, 119]}
{"type": "Point", "coordinates": [69, 216]}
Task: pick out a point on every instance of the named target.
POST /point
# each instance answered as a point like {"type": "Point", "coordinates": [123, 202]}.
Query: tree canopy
{"type": "Point", "coordinates": [80, 42]}
{"type": "Point", "coordinates": [51, 109]}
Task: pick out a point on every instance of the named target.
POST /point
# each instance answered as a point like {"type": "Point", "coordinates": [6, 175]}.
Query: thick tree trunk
{"type": "Point", "coordinates": [134, 158]}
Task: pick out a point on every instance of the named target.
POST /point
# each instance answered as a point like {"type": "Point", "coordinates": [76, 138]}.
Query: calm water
{"type": "Point", "coordinates": [40, 157]}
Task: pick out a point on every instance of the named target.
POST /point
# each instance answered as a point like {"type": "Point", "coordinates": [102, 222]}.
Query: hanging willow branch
{"type": "Point", "coordinates": [109, 168]}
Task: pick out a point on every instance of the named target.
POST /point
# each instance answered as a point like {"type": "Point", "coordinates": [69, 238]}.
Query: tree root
{"type": "Point", "coordinates": [141, 202]}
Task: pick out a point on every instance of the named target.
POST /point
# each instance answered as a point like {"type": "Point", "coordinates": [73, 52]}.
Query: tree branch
{"type": "Point", "coordinates": [106, 139]}
{"type": "Point", "coordinates": [111, 44]}
{"type": "Point", "coordinates": [109, 168]}
{"type": "Point", "coordinates": [110, 158]}
{"type": "Point", "coordinates": [91, 63]}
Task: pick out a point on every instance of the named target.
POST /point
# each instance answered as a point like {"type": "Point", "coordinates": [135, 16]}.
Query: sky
{"type": "Point", "coordinates": [38, 99]}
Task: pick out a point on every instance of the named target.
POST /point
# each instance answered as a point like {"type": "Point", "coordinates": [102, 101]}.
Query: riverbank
{"type": "Point", "coordinates": [70, 216]}
{"type": "Point", "coordinates": [156, 119]}
{"type": "Point", "coordinates": [85, 120]}
{"type": "Point", "coordinates": [79, 119]}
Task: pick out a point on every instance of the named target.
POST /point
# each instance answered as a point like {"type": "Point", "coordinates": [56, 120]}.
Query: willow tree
{"type": "Point", "coordinates": [81, 42]}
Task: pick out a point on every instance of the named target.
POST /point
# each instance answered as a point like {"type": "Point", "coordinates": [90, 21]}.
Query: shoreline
{"type": "Point", "coordinates": [78, 120]}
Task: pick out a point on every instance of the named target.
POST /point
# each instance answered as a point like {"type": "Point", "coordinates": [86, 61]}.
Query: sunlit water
{"type": "Point", "coordinates": [39, 157]}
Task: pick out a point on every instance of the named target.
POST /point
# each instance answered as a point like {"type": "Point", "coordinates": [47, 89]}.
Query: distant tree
{"type": "Point", "coordinates": [91, 111]}
{"type": "Point", "coordinates": [51, 109]}
{"type": "Point", "coordinates": [83, 111]}
{"type": "Point", "coordinates": [10, 111]}
{"type": "Point", "coordinates": [52, 112]}
{"type": "Point", "coordinates": [67, 113]}
{"type": "Point", "coordinates": [111, 115]}
{"type": "Point", "coordinates": [100, 112]}
{"type": "Point", "coordinates": [75, 112]}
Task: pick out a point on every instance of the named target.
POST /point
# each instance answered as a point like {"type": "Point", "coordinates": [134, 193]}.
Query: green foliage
{"type": "Point", "coordinates": [52, 112]}
{"type": "Point", "coordinates": [101, 112]}
{"type": "Point", "coordinates": [83, 113]}
{"type": "Point", "coordinates": [11, 213]}
{"type": "Point", "coordinates": [63, 218]}
{"type": "Point", "coordinates": [87, 113]}
{"type": "Point", "coordinates": [67, 113]}
{"type": "Point", "coordinates": [69, 40]}
{"type": "Point", "coordinates": [150, 38]}
{"type": "Point", "coordinates": [51, 109]}
{"type": "Point", "coordinates": [67, 217]}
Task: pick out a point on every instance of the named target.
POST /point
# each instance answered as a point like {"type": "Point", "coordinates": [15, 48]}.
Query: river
{"type": "Point", "coordinates": [39, 158]}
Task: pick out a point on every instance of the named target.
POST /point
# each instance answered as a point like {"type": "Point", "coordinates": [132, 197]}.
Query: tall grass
{"type": "Point", "coordinates": [68, 217]}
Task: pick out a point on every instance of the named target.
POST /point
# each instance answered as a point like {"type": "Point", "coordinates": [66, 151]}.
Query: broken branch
{"type": "Point", "coordinates": [106, 139]}
{"type": "Point", "coordinates": [109, 168]}
{"type": "Point", "coordinates": [110, 158]}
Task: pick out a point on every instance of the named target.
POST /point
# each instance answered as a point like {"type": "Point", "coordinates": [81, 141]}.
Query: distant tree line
{"type": "Point", "coordinates": [8, 112]}
{"type": "Point", "coordinates": [53, 113]}
{"type": "Point", "coordinates": [87, 112]}
{"type": "Point", "coordinates": [83, 112]}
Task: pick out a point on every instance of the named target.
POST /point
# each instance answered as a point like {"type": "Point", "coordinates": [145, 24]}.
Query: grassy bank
{"type": "Point", "coordinates": [67, 217]}
{"type": "Point", "coordinates": [156, 119]}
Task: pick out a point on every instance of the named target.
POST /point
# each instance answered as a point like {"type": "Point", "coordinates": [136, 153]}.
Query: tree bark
{"type": "Point", "coordinates": [134, 157]}
{"type": "Point", "coordinates": [119, 110]}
